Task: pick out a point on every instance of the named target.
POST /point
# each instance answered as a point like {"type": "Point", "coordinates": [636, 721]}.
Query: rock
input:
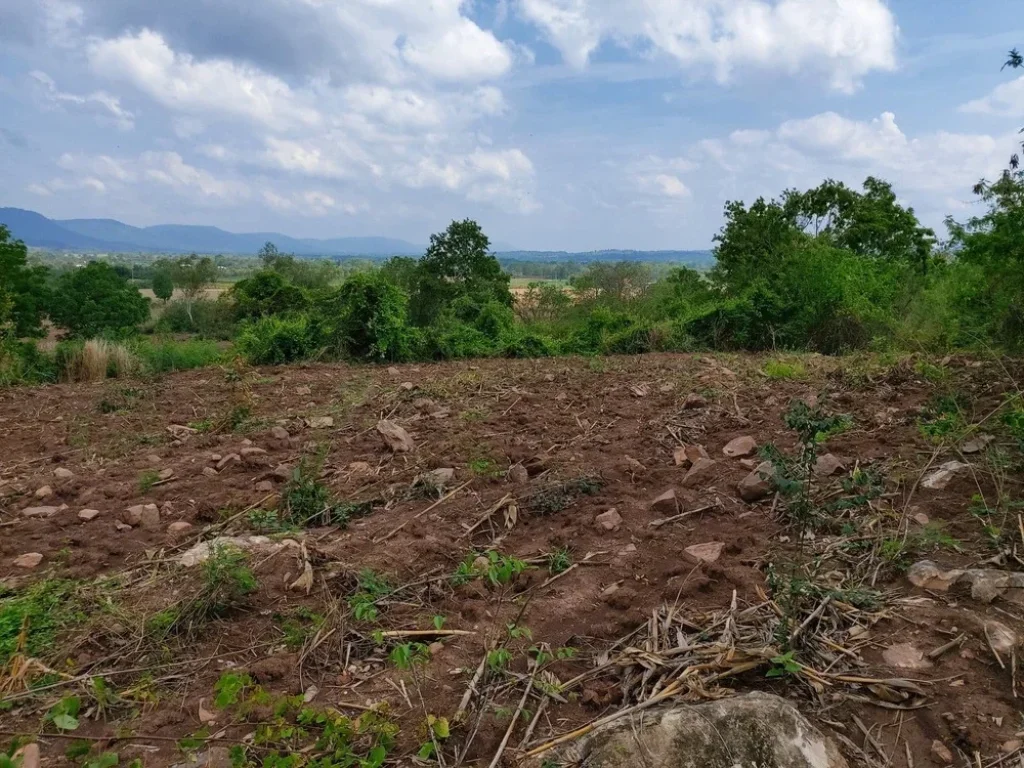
{"type": "Point", "coordinates": [828, 465]}
{"type": "Point", "coordinates": [44, 493]}
{"type": "Point", "coordinates": [215, 457]}
{"type": "Point", "coordinates": [28, 560]}
{"type": "Point", "coordinates": [231, 458]}
{"type": "Point", "coordinates": [303, 391]}
{"type": "Point", "coordinates": [396, 438]}
{"type": "Point", "coordinates": [940, 478]}
{"type": "Point", "coordinates": [921, 518]}
{"type": "Point", "coordinates": [251, 451]}
{"type": "Point", "coordinates": [359, 468]}
{"type": "Point", "coordinates": [407, 386]}
{"type": "Point", "coordinates": [201, 552]}
{"type": "Point", "coordinates": [209, 472]}
{"type": "Point", "coordinates": [166, 474]}
{"type": "Point", "coordinates": [1002, 639]}
{"type": "Point", "coordinates": [976, 444]}
{"type": "Point", "coordinates": [707, 553]}
{"type": "Point", "coordinates": [424, 405]}
{"type": "Point", "coordinates": [27, 756]}
{"type": "Point", "coordinates": [685, 455]}
{"type": "Point", "coordinates": [986, 586]}
{"type": "Point", "coordinates": [88, 514]}
{"type": "Point", "coordinates": [62, 473]}
{"type": "Point", "coordinates": [179, 528]}
{"type": "Point", "coordinates": [40, 511]}
{"type": "Point", "coordinates": [152, 459]}
{"type": "Point", "coordinates": [741, 447]}
{"type": "Point", "coordinates": [319, 422]}
{"type": "Point", "coordinates": [755, 729]}
{"type": "Point", "coordinates": [941, 753]}
{"type": "Point", "coordinates": [666, 503]}
{"type": "Point", "coordinates": [905, 656]}
{"type": "Point", "coordinates": [437, 478]}
{"type": "Point", "coordinates": [634, 466]}
{"type": "Point", "coordinates": [122, 526]}
{"type": "Point", "coordinates": [693, 401]}
{"type": "Point", "coordinates": [280, 433]}
{"type": "Point", "coordinates": [758, 484]}
{"type": "Point", "coordinates": [517, 473]}
{"type": "Point", "coordinates": [1011, 746]}
{"type": "Point", "coordinates": [700, 473]}
{"type": "Point", "coordinates": [150, 519]}
{"type": "Point", "coordinates": [141, 514]}
{"type": "Point", "coordinates": [281, 472]}
{"type": "Point", "coordinates": [608, 521]}
{"type": "Point", "coordinates": [392, 371]}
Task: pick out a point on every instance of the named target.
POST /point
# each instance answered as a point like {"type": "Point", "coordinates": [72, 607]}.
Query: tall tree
{"type": "Point", "coordinates": [1015, 60]}
{"type": "Point", "coordinates": [163, 284]}
{"type": "Point", "coordinates": [95, 300]}
{"type": "Point", "coordinates": [23, 292]}
{"type": "Point", "coordinates": [193, 275]}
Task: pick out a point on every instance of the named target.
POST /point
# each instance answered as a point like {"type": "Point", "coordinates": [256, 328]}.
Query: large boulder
{"type": "Point", "coordinates": [755, 729]}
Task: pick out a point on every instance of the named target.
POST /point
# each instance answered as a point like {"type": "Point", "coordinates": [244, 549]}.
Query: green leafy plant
{"type": "Point", "coordinates": [559, 561]}
{"type": "Point", "coordinates": [64, 714]}
{"type": "Point", "coordinates": [784, 665]}
{"type": "Point", "coordinates": [407, 655]}
{"type": "Point", "coordinates": [497, 569]}
{"type": "Point", "coordinates": [147, 480]}
{"type": "Point", "coordinates": [229, 689]}
{"type": "Point", "coordinates": [371, 589]}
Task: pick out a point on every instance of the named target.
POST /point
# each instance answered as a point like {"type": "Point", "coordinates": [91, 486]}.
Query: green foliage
{"type": "Point", "coordinates": [784, 665]}
{"type": "Point", "coordinates": [209, 319]}
{"type": "Point", "coordinates": [24, 296]}
{"type": "Point", "coordinates": [368, 317]}
{"type": "Point", "coordinates": [163, 285]}
{"type": "Point", "coordinates": [147, 480]}
{"type": "Point", "coordinates": [408, 655]}
{"type": "Point", "coordinates": [166, 355]}
{"type": "Point", "coordinates": [559, 561]}
{"type": "Point", "coordinates": [371, 589]}
{"type": "Point", "coordinates": [498, 570]}
{"type": "Point", "coordinates": [279, 340]}
{"type": "Point", "coordinates": [95, 300]}
{"type": "Point", "coordinates": [267, 293]}
{"type": "Point", "coordinates": [782, 369]}
{"type": "Point", "coordinates": [64, 714]}
{"type": "Point", "coordinates": [41, 610]}
{"type": "Point", "coordinates": [229, 689]}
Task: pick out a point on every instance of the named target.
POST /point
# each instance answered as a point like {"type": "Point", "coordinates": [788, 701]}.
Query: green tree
{"type": "Point", "coordinates": [753, 243]}
{"type": "Point", "coordinates": [1014, 60]}
{"type": "Point", "coordinates": [95, 300]}
{"type": "Point", "coordinates": [617, 283]}
{"type": "Point", "coordinates": [369, 315]}
{"type": "Point", "coordinates": [163, 285]}
{"type": "Point", "coordinates": [458, 263]}
{"type": "Point", "coordinates": [193, 275]}
{"type": "Point", "coordinates": [23, 292]}
{"type": "Point", "coordinates": [266, 293]}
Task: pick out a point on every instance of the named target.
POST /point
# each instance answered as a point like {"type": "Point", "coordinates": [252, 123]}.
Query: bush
{"type": "Point", "coordinates": [95, 360]}
{"type": "Point", "coordinates": [369, 319]}
{"type": "Point", "coordinates": [95, 300]}
{"type": "Point", "coordinates": [266, 293]}
{"type": "Point", "coordinates": [23, 363]}
{"type": "Point", "coordinates": [280, 340]}
{"type": "Point", "coordinates": [209, 319]}
{"type": "Point", "coordinates": [450, 339]}
{"type": "Point", "coordinates": [160, 356]}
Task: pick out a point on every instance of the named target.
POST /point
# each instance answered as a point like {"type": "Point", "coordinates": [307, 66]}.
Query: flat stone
{"type": "Point", "coordinates": [828, 465]}
{"type": "Point", "coordinates": [741, 447]}
{"type": "Point", "coordinates": [758, 484]}
{"type": "Point", "coordinates": [395, 437]}
{"type": "Point", "coordinates": [941, 753]}
{"type": "Point", "coordinates": [608, 521]}
{"type": "Point", "coordinates": [252, 451]}
{"type": "Point", "coordinates": [320, 422]}
{"type": "Point", "coordinates": [179, 528]}
{"type": "Point", "coordinates": [265, 486]}
{"type": "Point", "coordinates": [40, 511]}
{"type": "Point", "coordinates": [986, 585]}
{"type": "Point", "coordinates": [279, 433]}
{"type": "Point", "coordinates": [754, 729]}
{"type": "Point", "coordinates": [666, 503]}
{"type": "Point", "coordinates": [685, 455]}
{"type": "Point", "coordinates": [136, 514]}
{"type": "Point", "coordinates": [28, 560]}
{"type": "Point", "coordinates": [700, 473]}
{"type": "Point", "coordinates": [407, 386]}
{"type": "Point", "coordinates": [63, 473]}
{"type": "Point", "coordinates": [202, 551]}
{"type": "Point", "coordinates": [940, 478]}
{"type": "Point", "coordinates": [209, 472]}
{"type": "Point", "coordinates": [231, 458]}
{"type": "Point", "coordinates": [44, 493]}
{"type": "Point", "coordinates": [166, 474]}
{"type": "Point", "coordinates": [905, 656]}
{"type": "Point", "coordinates": [976, 444]}
{"type": "Point", "coordinates": [88, 514]}
{"type": "Point", "coordinates": [707, 553]}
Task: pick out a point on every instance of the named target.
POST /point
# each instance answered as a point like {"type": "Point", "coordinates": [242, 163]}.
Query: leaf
{"type": "Point", "coordinates": [441, 728]}
{"type": "Point", "coordinates": [511, 516]}
{"type": "Point", "coordinates": [65, 722]}
{"type": "Point", "coordinates": [426, 751]}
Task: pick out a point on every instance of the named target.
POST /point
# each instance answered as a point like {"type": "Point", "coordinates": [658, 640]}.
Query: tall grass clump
{"type": "Point", "coordinates": [95, 360]}
{"type": "Point", "coordinates": [165, 355]}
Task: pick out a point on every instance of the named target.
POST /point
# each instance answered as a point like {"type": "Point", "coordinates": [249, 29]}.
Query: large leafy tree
{"type": "Point", "coordinates": [753, 243]}
{"type": "Point", "coordinates": [1015, 60]}
{"type": "Point", "coordinates": [163, 284]}
{"type": "Point", "coordinates": [193, 275]}
{"type": "Point", "coordinates": [23, 292]}
{"type": "Point", "coordinates": [95, 300]}
{"type": "Point", "coordinates": [266, 293]}
{"type": "Point", "coordinates": [458, 264]}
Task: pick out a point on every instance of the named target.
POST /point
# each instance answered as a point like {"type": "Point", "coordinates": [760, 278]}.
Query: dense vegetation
{"type": "Point", "coordinates": [830, 269]}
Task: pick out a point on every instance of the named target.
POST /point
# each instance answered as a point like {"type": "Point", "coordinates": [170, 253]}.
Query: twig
{"type": "Point", "coordinates": [460, 713]}
{"type": "Point", "coordinates": [487, 515]}
{"type": "Point", "coordinates": [515, 718]}
{"type": "Point", "coordinates": [682, 516]}
{"type": "Point", "coordinates": [934, 654]}
{"type": "Point", "coordinates": [428, 633]}
{"type": "Point", "coordinates": [418, 515]}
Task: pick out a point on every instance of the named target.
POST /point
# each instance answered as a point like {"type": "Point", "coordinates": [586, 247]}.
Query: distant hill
{"type": "Point", "coordinates": [112, 236]}
{"type": "Point", "coordinates": [109, 235]}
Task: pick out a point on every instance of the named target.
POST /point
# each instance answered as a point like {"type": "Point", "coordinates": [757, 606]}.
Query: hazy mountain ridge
{"type": "Point", "coordinates": [110, 235]}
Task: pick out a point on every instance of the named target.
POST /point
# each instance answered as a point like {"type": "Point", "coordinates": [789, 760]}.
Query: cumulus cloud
{"type": "Point", "coordinates": [170, 169]}
{"type": "Point", "coordinates": [1005, 100]}
{"type": "Point", "coordinates": [215, 86]}
{"type": "Point", "coordinates": [844, 39]}
{"type": "Point", "coordinates": [100, 104]}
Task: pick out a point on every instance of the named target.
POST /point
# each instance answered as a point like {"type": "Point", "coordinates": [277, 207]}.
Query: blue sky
{"type": "Point", "coordinates": [558, 124]}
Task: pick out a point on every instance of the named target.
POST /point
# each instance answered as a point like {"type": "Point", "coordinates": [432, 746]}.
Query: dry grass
{"type": "Point", "coordinates": [98, 359]}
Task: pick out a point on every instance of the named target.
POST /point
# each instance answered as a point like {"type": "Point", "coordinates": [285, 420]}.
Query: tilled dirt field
{"type": "Point", "coordinates": [453, 617]}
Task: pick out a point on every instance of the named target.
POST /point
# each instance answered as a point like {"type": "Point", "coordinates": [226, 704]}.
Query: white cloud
{"type": "Point", "coordinates": [102, 166]}
{"type": "Point", "coordinates": [1006, 100]}
{"type": "Point", "coordinates": [310, 203]}
{"type": "Point", "coordinates": [170, 169]}
{"type": "Point", "coordinates": [98, 103]}
{"type": "Point", "coordinates": [38, 189]}
{"type": "Point", "coordinates": [844, 39]}
{"type": "Point", "coordinates": [670, 186]}
{"type": "Point", "coordinates": [182, 83]}
{"type": "Point", "coordinates": [462, 51]}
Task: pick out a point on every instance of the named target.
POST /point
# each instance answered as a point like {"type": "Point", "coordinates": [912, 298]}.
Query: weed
{"type": "Point", "coordinates": [407, 655]}
{"type": "Point", "coordinates": [1014, 421]}
{"type": "Point", "coordinates": [267, 521]}
{"type": "Point", "coordinates": [299, 626]}
{"type": "Point", "coordinates": [41, 611]}
{"type": "Point", "coordinates": [485, 468]}
{"type": "Point", "coordinates": [557, 497]}
{"type": "Point", "coordinates": [781, 369]}
{"type": "Point", "coordinates": [931, 372]}
{"type": "Point", "coordinates": [473, 414]}
{"type": "Point", "coordinates": [559, 561]}
{"type": "Point", "coordinates": [943, 420]}
{"type": "Point", "coordinates": [499, 658]}
{"type": "Point", "coordinates": [371, 589]}
{"type": "Point", "coordinates": [784, 665]}
{"type": "Point", "coordinates": [147, 480]}
{"type": "Point", "coordinates": [228, 690]}
{"type": "Point", "coordinates": [439, 621]}
{"type": "Point", "coordinates": [203, 425]}
{"type": "Point", "coordinates": [64, 714]}
{"type": "Point", "coordinates": [496, 568]}
{"type": "Point", "coordinates": [308, 502]}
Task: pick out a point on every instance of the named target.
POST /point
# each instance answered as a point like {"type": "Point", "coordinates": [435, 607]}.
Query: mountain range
{"type": "Point", "coordinates": [112, 236]}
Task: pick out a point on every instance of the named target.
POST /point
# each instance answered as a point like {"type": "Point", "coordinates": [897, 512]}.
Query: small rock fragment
{"type": "Point", "coordinates": [693, 401]}
{"type": "Point", "coordinates": [27, 756]}
{"type": "Point", "coordinates": [741, 447]}
{"type": "Point", "coordinates": [700, 473]}
{"type": "Point", "coordinates": [392, 371]}
{"type": "Point", "coordinates": [976, 444]}
{"type": "Point", "coordinates": [1002, 639]}
{"type": "Point", "coordinates": [279, 433]}
{"type": "Point", "coordinates": [319, 422]}
{"type": "Point", "coordinates": [265, 486]}
{"type": "Point", "coordinates": [396, 438]}
{"type": "Point", "coordinates": [685, 455]}
{"type": "Point", "coordinates": [40, 511]}
{"type": "Point", "coordinates": [905, 656]}
{"type": "Point", "coordinates": [88, 514]}
{"type": "Point", "coordinates": [28, 560]}
{"type": "Point", "coordinates": [828, 464]}
{"type": "Point", "coordinates": [209, 472]}
{"type": "Point", "coordinates": [707, 553]}
{"type": "Point", "coordinates": [166, 474]}
{"type": "Point", "coordinates": [666, 503]}
{"type": "Point", "coordinates": [940, 478]}
{"type": "Point", "coordinates": [44, 493]}
{"type": "Point", "coordinates": [517, 473]}
{"type": "Point", "coordinates": [63, 473]}
{"type": "Point", "coordinates": [231, 458]}
{"type": "Point", "coordinates": [407, 386]}
{"type": "Point", "coordinates": [250, 451]}
{"type": "Point", "coordinates": [1011, 746]}
{"type": "Point", "coordinates": [360, 468]}
{"type": "Point", "coordinates": [941, 753]}
{"type": "Point", "coordinates": [302, 391]}
{"type": "Point", "coordinates": [986, 586]}
{"type": "Point", "coordinates": [758, 484]}
{"type": "Point", "coordinates": [179, 528]}
{"type": "Point", "coordinates": [150, 519]}
{"type": "Point", "coordinates": [608, 521]}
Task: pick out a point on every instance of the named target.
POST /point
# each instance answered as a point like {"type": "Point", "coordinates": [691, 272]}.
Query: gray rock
{"type": "Point", "coordinates": [940, 478]}
{"type": "Point", "coordinates": [44, 493]}
{"type": "Point", "coordinates": [905, 656]}
{"type": "Point", "coordinates": [828, 465]}
{"type": "Point", "coordinates": [40, 511]}
{"type": "Point", "coordinates": [396, 438]}
{"type": "Point", "coordinates": [741, 447]}
{"type": "Point", "coordinates": [279, 433]}
{"type": "Point", "coordinates": [758, 484]}
{"type": "Point", "coordinates": [231, 458]}
{"type": "Point", "coordinates": [608, 521]}
{"type": "Point", "coordinates": [63, 473]}
{"type": "Point", "coordinates": [88, 514]}
{"type": "Point", "coordinates": [706, 553]}
{"type": "Point", "coordinates": [1001, 637]}
{"type": "Point", "coordinates": [701, 473]}
{"type": "Point", "coordinates": [320, 422]}
{"type": "Point", "coordinates": [751, 730]}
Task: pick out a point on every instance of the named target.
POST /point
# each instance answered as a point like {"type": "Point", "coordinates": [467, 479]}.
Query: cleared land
{"type": "Point", "coordinates": [380, 601]}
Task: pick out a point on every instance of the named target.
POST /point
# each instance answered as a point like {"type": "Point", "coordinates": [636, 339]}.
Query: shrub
{"type": "Point", "coordinates": [450, 339]}
{"type": "Point", "coordinates": [95, 360]}
{"type": "Point", "coordinates": [23, 363]}
{"type": "Point", "coordinates": [209, 319]}
{"type": "Point", "coordinates": [95, 300]}
{"type": "Point", "coordinates": [368, 318]}
{"type": "Point", "coordinates": [280, 340]}
{"type": "Point", "coordinates": [266, 293]}
{"type": "Point", "coordinates": [164, 355]}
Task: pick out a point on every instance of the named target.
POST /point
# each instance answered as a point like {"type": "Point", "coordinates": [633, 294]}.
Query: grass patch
{"type": "Point", "coordinates": [784, 370]}
{"type": "Point", "coordinates": [554, 498]}
{"type": "Point", "coordinates": [42, 611]}
{"type": "Point", "coordinates": [147, 480]}
{"type": "Point", "coordinates": [165, 355]}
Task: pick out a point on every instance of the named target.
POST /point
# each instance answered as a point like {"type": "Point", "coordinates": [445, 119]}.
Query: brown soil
{"type": "Point", "coordinates": [613, 421]}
